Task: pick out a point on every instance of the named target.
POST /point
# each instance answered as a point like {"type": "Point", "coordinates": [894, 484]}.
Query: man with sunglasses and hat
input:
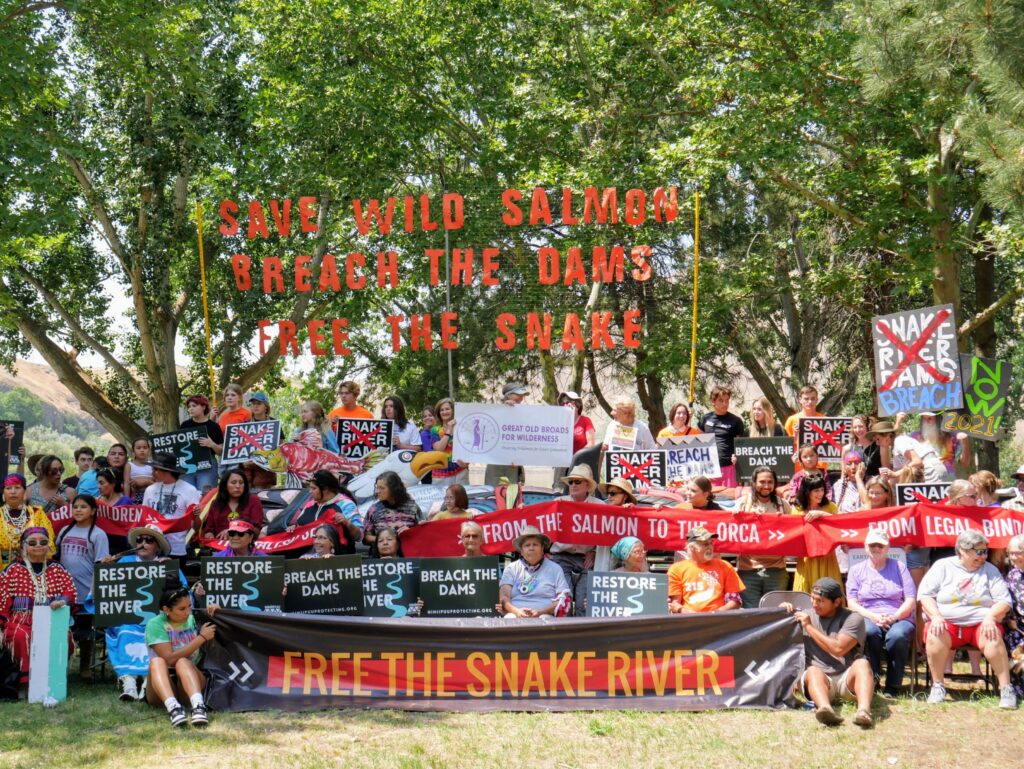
{"type": "Point", "coordinates": [171, 497]}
{"type": "Point", "coordinates": [577, 560]}
{"type": "Point", "coordinates": [702, 582]}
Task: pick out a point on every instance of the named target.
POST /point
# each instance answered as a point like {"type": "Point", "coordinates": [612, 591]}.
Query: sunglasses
{"type": "Point", "coordinates": [616, 493]}
{"type": "Point", "coordinates": [976, 550]}
{"type": "Point", "coordinates": [575, 482]}
{"type": "Point", "coordinates": [238, 533]}
{"type": "Point", "coordinates": [38, 543]}
{"type": "Point", "coordinates": [143, 540]}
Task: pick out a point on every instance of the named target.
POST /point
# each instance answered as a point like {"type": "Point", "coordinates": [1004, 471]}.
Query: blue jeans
{"type": "Point", "coordinates": [759, 582]}
{"type": "Point", "coordinates": [896, 641]}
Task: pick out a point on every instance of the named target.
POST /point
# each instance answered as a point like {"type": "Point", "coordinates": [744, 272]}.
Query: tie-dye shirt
{"type": "Point", "coordinates": [161, 630]}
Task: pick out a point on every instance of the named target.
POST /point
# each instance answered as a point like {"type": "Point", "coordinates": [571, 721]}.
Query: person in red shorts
{"type": "Point", "coordinates": [966, 600]}
{"type": "Point", "coordinates": [703, 583]}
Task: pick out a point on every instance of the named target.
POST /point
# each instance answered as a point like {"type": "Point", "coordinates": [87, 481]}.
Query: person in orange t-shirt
{"type": "Point", "coordinates": [808, 408]}
{"type": "Point", "coordinates": [348, 391]}
{"type": "Point", "coordinates": [703, 583]}
{"type": "Point", "coordinates": [234, 412]}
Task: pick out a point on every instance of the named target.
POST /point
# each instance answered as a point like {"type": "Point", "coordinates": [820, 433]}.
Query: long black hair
{"type": "Point", "coordinates": [90, 500]}
{"type": "Point", "coordinates": [774, 496]}
{"type": "Point", "coordinates": [114, 478]}
{"type": "Point", "coordinates": [809, 483]}
{"type": "Point", "coordinates": [399, 494]}
{"type": "Point", "coordinates": [332, 534]}
{"type": "Point", "coordinates": [222, 490]}
{"type": "Point", "coordinates": [400, 418]}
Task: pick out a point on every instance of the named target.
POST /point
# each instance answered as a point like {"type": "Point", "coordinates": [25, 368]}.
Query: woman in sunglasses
{"type": "Point", "coordinates": [31, 581]}
{"type": "Point", "coordinates": [126, 644]}
{"type": "Point", "coordinates": [241, 541]}
{"type": "Point", "coordinates": [966, 600]}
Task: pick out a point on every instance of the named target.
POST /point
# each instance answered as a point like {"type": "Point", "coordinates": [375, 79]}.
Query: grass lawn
{"type": "Point", "coordinates": [93, 729]}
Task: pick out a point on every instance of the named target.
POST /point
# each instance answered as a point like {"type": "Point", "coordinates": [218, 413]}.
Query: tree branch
{"type": "Point", "coordinates": [983, 317]}
{"type": "Point", "coordinates": [99, 211]}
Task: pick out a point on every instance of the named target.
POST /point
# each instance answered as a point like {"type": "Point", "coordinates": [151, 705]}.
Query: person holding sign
{"type": "Point", "coordinates": [441, 437]}
{"type": "Point", "coordinates": [907, 455]}
{"type": "Point", "coordinates": [234, 412]}
{"type": "Point", "coordinates": [406, 436]}
{"type": "Point", "coordinates": [861, 442]}
{"type": "Point", "coordinates": [471, 536]}
{"type": "Point", "coordinates": [32, 581]}
{"type": "Point", "coordinates": [812, 504]}
{"type": "Point", "coordinates": [625, 431]}
{"type": "Point", "coordinates": [577, 560]}
{"type": "Point", "coordinates": [241, 537]}
{"type": "Point", "coordinates": [198, 407]}
{"type": "Point", "coordinates": [953, 450]}
{"type": "Point", "coordinates": [347, 408]}
{"type": "Point", "coordinates": [171, 497]}
{"type": "Point", "coordinates": [388, 545]}
{"type": "Point", "coordinates": [48, 491]}
{"type": "Point", "coordinates": [726, 427]}
{"type": "Point", "coordinates": [808, 398]}
{"type": "Point", "coordinates": [678, 423]}
{"type": "Point", "coordinates": [234, 502]}
{"type": "Point", "coordinates": [882, 591]}
{"type": "Point", "coordinates": [619, 492]}
{"type": "Point", "coordinates": [534, 585]}
{"type": "Point", "coordinates": [326, 543]}
{"type": "Point", "coordinates": [702, 583]}
{"type": "Point", "coordinates": [138, 474]}
{"type": "Point", "coordinates": [762, 420]}
{"type": "Point", "coordinates": [174, 644]}
{"type": "Point", "coordinates": [629, 554]}
{"type": "Point", "coordinates": [394, 508]}
{"type": "Point", "coordinates": [16, 517]}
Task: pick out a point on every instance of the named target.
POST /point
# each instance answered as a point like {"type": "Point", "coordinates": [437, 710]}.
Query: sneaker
{"type": "Point", "coordinates": [142, 689]}
{"type": "Point", "coordinates": [863, 719]}
{"type": "Point", "coordinates": [1007, 699]}
{"type": "Point", "coordinates": [889, 696]}
{"type": "Point", "coordinates": [178, 717]}
{"type": "Point", "coordinates": [937, 695]}
{"type": "Point", "coordinates": [129, 692]}
{"type": "Point", "coordinates": [199, 719]}
{"type": "Point", "coordinates": [828, 716]}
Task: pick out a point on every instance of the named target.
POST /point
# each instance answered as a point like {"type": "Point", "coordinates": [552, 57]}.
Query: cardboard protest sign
{"type": "Point", "coordinates": [827, 434]}
{"type": "Point", "coordinates": [499, 434]}
{"type": "Point", "coordinates": [390, 586]}
{"type": "Point", "coordinates": [986, 382]}
{"type": "Point", "coordinates": [459, 587]}
{"type": "Point", "coordinates": [358, 437]}
{"type": "Point", "coordinates": [622, 437]}
{"type": "Point", "coordinates": [776, 453]}
{"type": "Point", "coordinates": [184, 444]}
{"type": "Point", "coordinates": [641, 468]}
{"type": "Point", "coordinates": [250, 583]}
{"type": "Point", "coordinates": [9, 447]}
{"type": "Point", "coordinates": [690, 456]}
{"type": "Point", "coordinates": [244, 439]}
{"type": "Point", "coordinates": [626, 594]}
{"type": "Point", "coordinates": [129, 593]}
{"type": "Point", "coordinates": [933, 492]}
{"type": "Point", "coordinates": [324, 585]}
{"type": "Point", "coordinates": [916, 361]}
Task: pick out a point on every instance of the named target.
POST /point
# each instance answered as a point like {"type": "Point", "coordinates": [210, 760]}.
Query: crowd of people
{"type": "Point", "coordinates": [860, 614]}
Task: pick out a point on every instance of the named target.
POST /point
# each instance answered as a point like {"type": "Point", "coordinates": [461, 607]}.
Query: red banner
{"type": "Point", "coordinates": [922, 525]}
{"type": "Point", "coordinates": [299, 538]}
{"type": "Point", "coordinates": [120, 520]}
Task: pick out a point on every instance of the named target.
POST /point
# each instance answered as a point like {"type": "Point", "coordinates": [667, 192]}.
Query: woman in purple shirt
{"type": "Point", "coordinates": [882, 591]}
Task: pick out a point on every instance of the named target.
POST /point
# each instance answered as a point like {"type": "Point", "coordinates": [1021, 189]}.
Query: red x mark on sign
{"type": "Point", "coordinates": [250, 440]}
{"type": "Point", "coordinates": [637, 471]}
{"type": "Point", "coordinates": [912, 353]}
{"type": "Point", "coordinates": [362, 437]}
{"type": "Point", "coordinates": [829, 437]}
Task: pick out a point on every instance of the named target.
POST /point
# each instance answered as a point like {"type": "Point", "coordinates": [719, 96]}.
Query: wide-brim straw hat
{"type": "Point", "coordinates": [622, 484]}
{"type": "Point", "coordinates": [881, 428]}
{"type": "Point", "coordinates": [161, 540]}
{"type": "Point", "coordinates": [581, 472]}
{"type": "Point", "coordinates": [532, 531]}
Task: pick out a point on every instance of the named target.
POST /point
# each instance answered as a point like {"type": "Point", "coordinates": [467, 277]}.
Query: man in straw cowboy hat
{"type": "Point", "coordinates": [171, 497]}
{"type": "Point", "coordinates": [575, 560]}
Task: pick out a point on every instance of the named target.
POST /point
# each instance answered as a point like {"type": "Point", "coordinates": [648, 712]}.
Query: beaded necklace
{"type": "Point", "coordinates": [38, 583]}
{"type": "Point", "coordinates": [13, 526]}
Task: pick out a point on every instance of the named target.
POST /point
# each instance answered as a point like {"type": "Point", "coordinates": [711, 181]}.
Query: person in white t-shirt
{"type": "Point", "coordinates": [407, 435]}
{"type": "Point", "coordinates": [171, 497]}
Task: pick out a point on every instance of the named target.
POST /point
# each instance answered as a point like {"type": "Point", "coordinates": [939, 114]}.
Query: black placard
{"type": "Point", "coordinates": [390, 586]}
{"type": "Point", "coordinates": [129, 593]}
{"type": "Point", "coordinates": [243, 439]}
{"type": "Point", "coordinates": [9, 447]}
{"type": "Point", "coordinates": [358, 437]}
{"type": "Point", "coordinates": [184, 444]}
{"type": "Point", "coordinates": [776, 453]}
{"type": "Point", "coordinates": [933, 492]}
{"type": "Point", "coordinates": [459, 587]}
{"type": "Point", "coordinates": [641, 468]}
{"type": "Point", "coordinates": [828, 434]}
{"type": "Point", "coordinates": [249, 583]}
{"type": "Point", "coordinates": [626, 594]}
{"type": "Point", "coordinates": [325, 585]}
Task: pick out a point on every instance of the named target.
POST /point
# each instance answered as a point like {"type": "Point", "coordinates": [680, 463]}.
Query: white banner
{"type": "Point", "coordinates": [689, 456]}
{"type": "Point", "coordinates": [498, 434]}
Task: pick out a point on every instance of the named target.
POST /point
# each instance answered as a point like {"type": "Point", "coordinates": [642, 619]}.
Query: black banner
{"type": "Point", "coordinates": [907, 493]}
{"type": "Point", "coordinates": [129, 593]}
{"type": "Point", "coordinates": [390, 586]}
{"type": "Point", "coordinates": [730, 659]}
{"type": "Point", "coordinates": [776, 453]}
{"type": "Point", "coordinates": [828, 434]}
{"type": "Point", "coordinates": [252, 583]}
{"type": "Point", "coordinates": [459, 587]}
{"type": "Point", "coordinates": [641, 468]}
{"type": "Point", "coordinates": [626, 594]}
{"type": "Point", "coordinates": [184, 444]}
{"type": "Point", "coordinates": [243, 439]}
{"type": "Point", "coordinates": [358, 437]}
{"type": "Point", "coordinates": [324, 585]}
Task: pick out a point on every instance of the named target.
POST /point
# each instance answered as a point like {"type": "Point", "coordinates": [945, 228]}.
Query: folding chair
{"type": "Point", "coordinates": [775, 598]}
